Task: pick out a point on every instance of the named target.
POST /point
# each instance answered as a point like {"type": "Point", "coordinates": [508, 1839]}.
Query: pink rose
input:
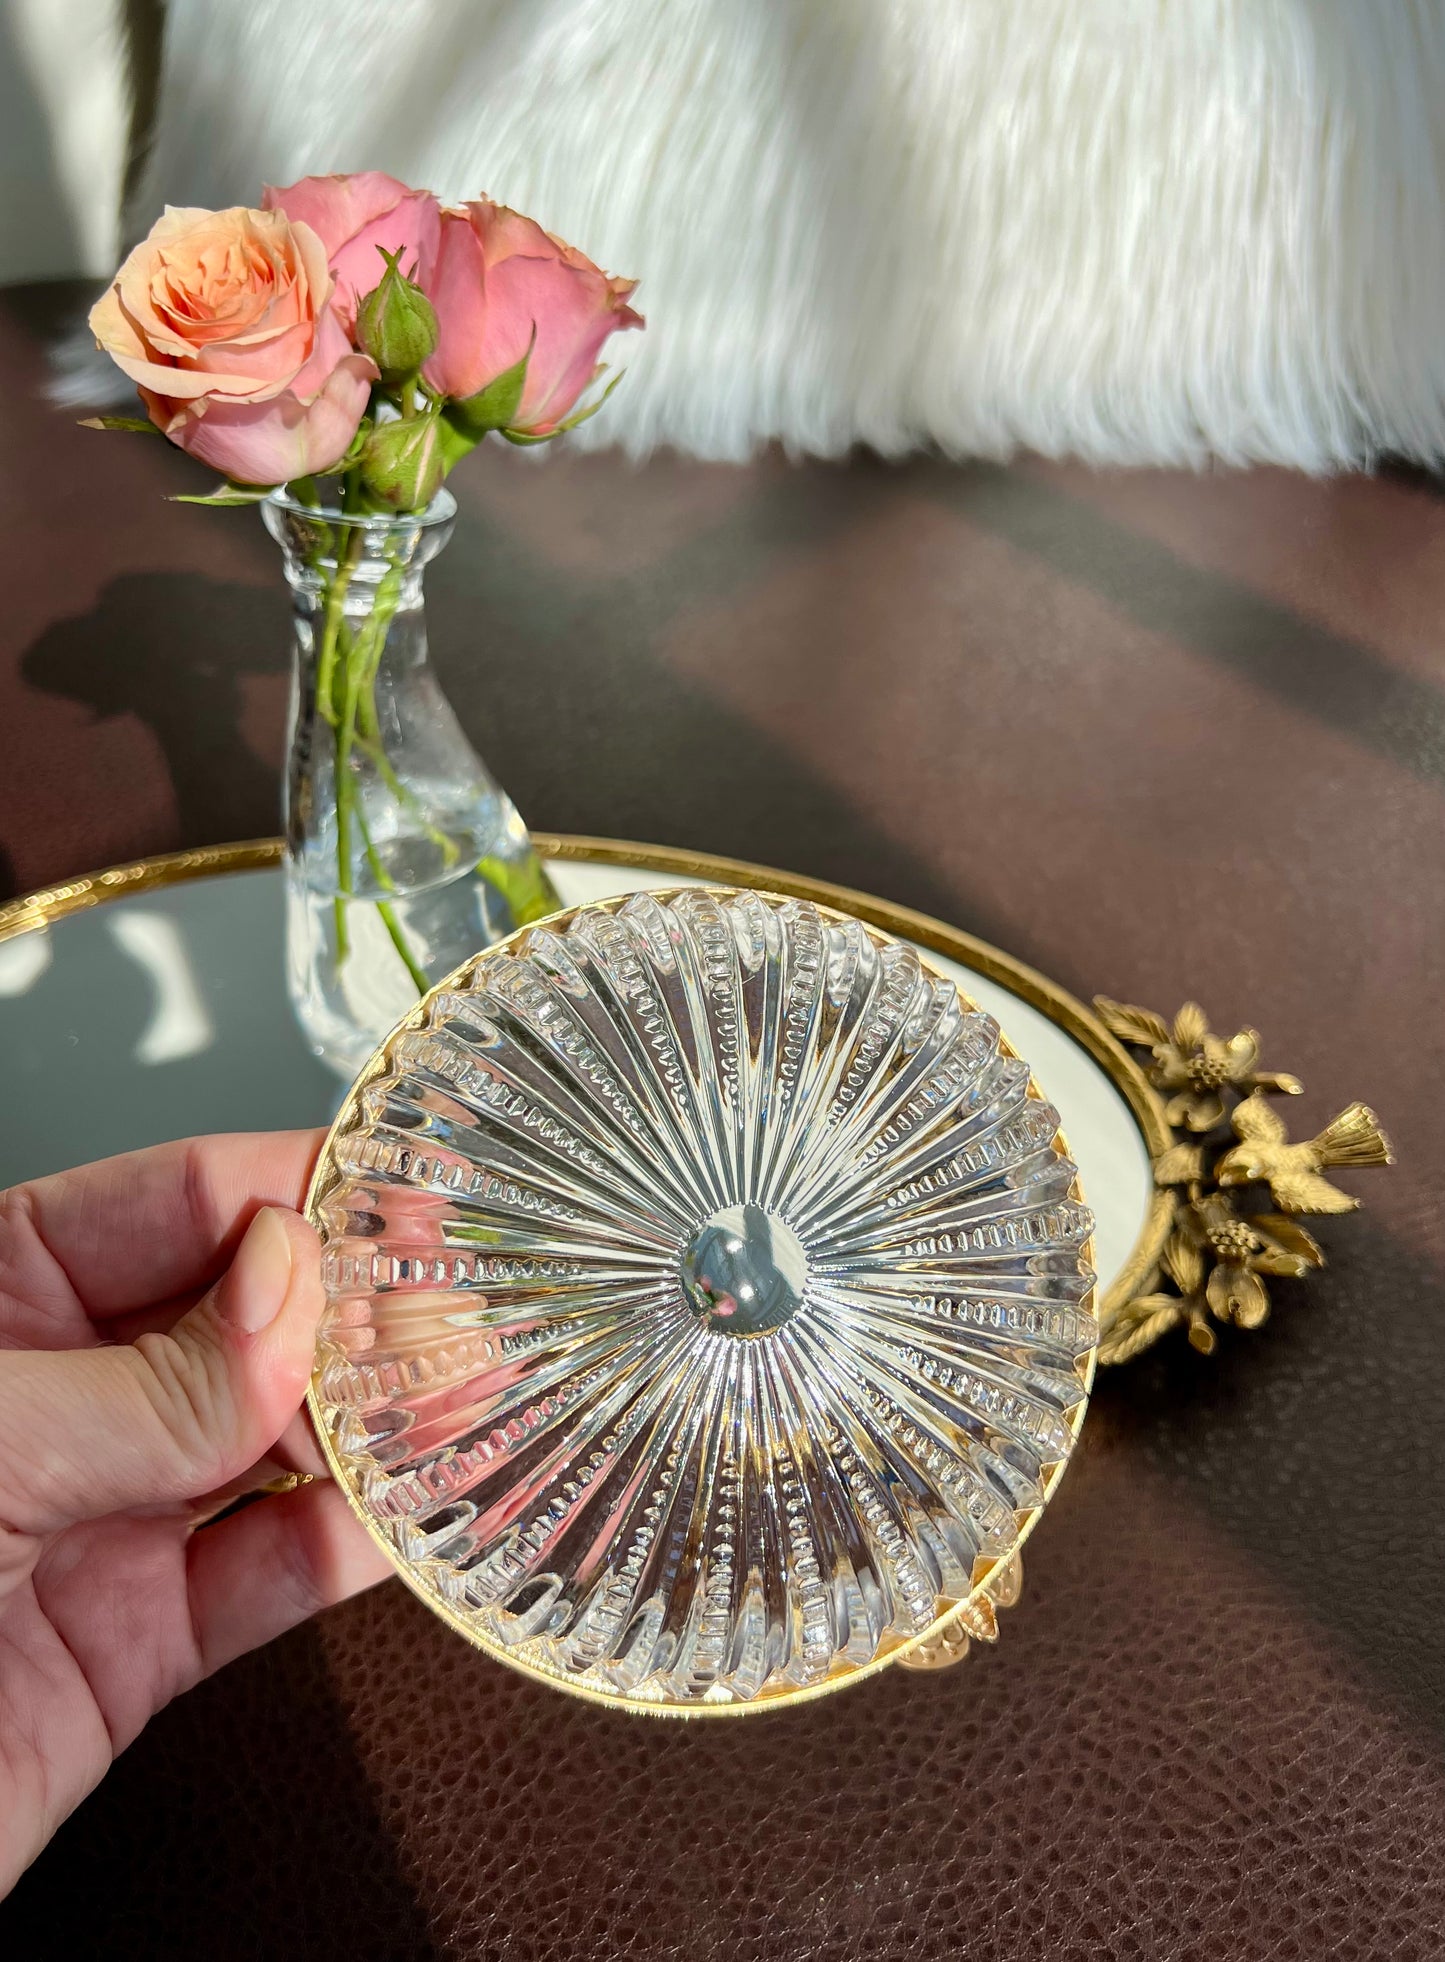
{"type": "Point", "coordinates": [354, 216]}
{"type": "Point", "coordinates": [499, 279]}
{"type": "Point", "coordinates": [222, 318]}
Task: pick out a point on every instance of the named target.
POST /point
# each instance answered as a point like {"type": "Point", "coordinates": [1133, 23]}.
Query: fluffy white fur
{"type": "Point", "coordinates": [1138, 231]}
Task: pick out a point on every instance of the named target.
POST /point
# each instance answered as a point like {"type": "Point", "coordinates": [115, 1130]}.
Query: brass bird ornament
{"type": "Point", "coordinates": [1216, 1262]}
{"type": "Point", "coordinates": [1292, 1172]}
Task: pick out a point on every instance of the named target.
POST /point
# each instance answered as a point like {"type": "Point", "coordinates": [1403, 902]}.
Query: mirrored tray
{"type": "Point", "coordinates": [709, 1301]}
{"type": "Point", "coordinates": [148, 1001]}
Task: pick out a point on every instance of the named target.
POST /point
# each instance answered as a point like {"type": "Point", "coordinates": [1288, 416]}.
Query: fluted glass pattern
{"type": "Point", "coordinates": [709, 1307]}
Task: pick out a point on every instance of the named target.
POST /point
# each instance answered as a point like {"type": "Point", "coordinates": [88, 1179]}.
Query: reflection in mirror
{"type": "Point", "coordinates": [22, 962]}
{"type": "Point", "coordinates": [179, 1024]}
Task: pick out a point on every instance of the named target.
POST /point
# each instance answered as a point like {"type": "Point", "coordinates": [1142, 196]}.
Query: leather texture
{"type": "Point", "coordinates": [1213, 1725]}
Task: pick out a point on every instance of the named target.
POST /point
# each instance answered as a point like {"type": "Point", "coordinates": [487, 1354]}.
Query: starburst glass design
{"type": "Point", "coordinates": [708, 1298]}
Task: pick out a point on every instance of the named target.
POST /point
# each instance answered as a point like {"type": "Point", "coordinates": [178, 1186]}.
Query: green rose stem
{"type": "Point", "coordinates": [361, 708]}
{"type": "Point", "coordinates": [345, 798]}
{"type": "Point", "coordinates": [347, 668]}
{"type": "Point", "coordinates": [346, 671]}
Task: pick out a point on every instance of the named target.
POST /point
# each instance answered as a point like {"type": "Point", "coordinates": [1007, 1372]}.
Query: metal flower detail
{"type": "Point", "coordinates": [1217, 1258]}
{"type": "Point", "coordinates": [1192, 1064]}
{"type": "Point", "coordinates": [1138, 1325]}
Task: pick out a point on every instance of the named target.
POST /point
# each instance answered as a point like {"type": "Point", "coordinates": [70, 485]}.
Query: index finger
{"type": "Point", "coordinates": [146, 1226]}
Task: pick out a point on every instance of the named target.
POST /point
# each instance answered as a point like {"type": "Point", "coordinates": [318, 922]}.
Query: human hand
{"type": "Point", "coordinates": [157, 1317]}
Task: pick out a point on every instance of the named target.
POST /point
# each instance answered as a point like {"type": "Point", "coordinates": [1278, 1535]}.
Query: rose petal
{"type": "Point", "coordinates": [271, 442]}
{"type": "Point", "coordinates": [337, 207]}
{"type": "Point", "coordinates": [458, 295]}
{"type": "Point", "coordinates": [355, 215]}
{"type": "Point", "coordinates": [332, 346]}
{"type": "Point", "coordinates": [413, 228]}
{"type": "Point", "coordinates": [216, 304]}
{"type": "Point", "coordinates": [506, 234]}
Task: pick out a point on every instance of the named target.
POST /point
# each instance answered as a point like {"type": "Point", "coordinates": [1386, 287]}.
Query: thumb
{"type": "Point", "coordinates": [166, 1418]}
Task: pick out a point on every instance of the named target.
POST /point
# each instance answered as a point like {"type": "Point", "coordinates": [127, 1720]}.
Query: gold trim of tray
{"type": "Point", "coordinates": [43, 908]}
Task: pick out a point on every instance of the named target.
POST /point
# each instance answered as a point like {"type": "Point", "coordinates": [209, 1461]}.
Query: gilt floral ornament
{"type": "Point", "coordinates": [1215, 1258]}
{"type": "Point", "coordinates": [1192, 1065]}
{"type": "Point", "coordinates": [1220, 1255]}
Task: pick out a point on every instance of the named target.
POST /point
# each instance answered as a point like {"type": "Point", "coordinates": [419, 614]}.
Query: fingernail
{"type": "Point", "coordinates": [254, 1291]}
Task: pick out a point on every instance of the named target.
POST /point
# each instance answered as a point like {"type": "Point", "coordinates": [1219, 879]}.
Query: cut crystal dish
{"type": "Point", "coordinates": [709, 1303]}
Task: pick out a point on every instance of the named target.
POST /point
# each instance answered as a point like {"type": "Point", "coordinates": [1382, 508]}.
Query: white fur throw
{"type": "Point", "coordinates": [1137, 231]}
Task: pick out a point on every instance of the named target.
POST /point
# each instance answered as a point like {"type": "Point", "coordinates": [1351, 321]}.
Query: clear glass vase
{"type": "Point", "coordinates": [403, 854]}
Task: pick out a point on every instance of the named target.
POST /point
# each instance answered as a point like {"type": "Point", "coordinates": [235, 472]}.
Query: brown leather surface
{"type": "Point", "coordinates": [1160, 736]}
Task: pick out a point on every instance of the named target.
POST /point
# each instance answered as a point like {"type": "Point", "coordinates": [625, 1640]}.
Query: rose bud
{"type": "Point", "coordinates": [395, 325]}
{"type": "Point", "coordinates": [403, 462]}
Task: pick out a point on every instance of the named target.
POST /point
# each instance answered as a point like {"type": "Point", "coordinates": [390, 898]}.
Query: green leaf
{"type": "Point", "coordinates": [586, 415]}
{"type": "Point", "coordinates": [227, 495]}
{"type": "Point", "coordinates": [523, 439]}
{"type": "Point", "coordinates": [456, 443]}
{"type": "Point", "coordinates": [524, 885]}
{"type": "Point", "coordinates": [137, 425]}
{"type": "Point", "coordinates": [494, 406]}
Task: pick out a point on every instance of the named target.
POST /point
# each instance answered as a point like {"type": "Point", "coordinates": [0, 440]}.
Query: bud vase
{"type": "Point", "coordinates": [403, 855]}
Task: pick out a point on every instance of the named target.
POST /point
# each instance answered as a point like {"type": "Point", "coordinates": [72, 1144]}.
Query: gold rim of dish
{"type": "Point", "coordinates": [41, 909]}
{"type": "Point", "coordinates": [324, 1178]}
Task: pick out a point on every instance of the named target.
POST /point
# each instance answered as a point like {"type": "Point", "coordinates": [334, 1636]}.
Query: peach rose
{"type": "Point", "coordinates": [223, 320]}
{"type": "Point", "coordinates": [499, 280]}
{"type": "Point", "coordinates": [357, 215]}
